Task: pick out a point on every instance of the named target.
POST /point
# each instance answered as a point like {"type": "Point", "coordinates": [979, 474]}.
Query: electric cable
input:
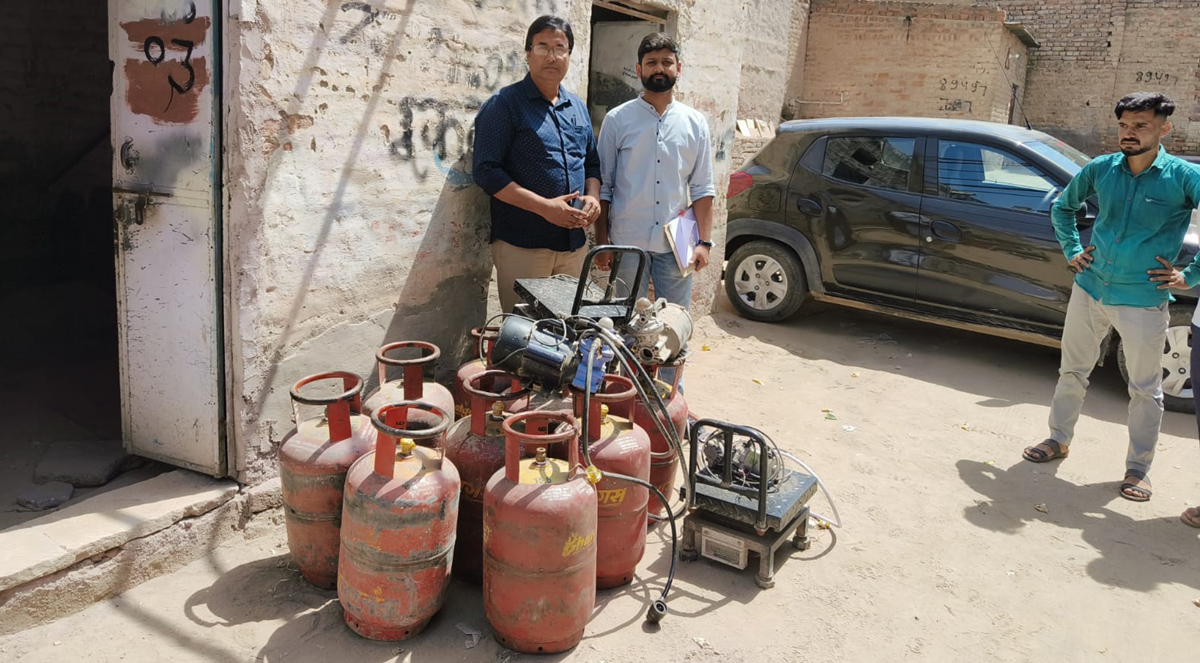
{"type": "Point", "coordinates": [1003, 66]}
{"type": "Point", "coordinates": [837, 518]}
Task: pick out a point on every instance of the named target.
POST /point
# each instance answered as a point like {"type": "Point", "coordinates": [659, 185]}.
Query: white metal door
{"type": "Point", "coordinates": [166, 169]}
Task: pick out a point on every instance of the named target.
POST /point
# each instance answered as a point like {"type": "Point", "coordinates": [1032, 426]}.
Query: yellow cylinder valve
{"type": "Point", "coordinates": [594, 475]}
{"type": "Point", "coordinates": [407, 446]}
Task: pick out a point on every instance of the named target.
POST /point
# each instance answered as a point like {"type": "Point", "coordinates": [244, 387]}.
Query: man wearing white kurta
{"type": "Point", "coordinates": [655, 162]}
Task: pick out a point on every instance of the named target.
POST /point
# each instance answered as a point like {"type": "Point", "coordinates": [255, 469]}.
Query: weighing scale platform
{"type": "Point", "coordinates": [553, 297]}
{"type": "Point", "coordinates": [725, 522]}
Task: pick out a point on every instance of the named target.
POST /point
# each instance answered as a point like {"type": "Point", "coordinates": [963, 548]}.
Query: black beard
{"type": "Point", "coordinates": [1133, 151]}
{"type": "Point", "coordinates": [658, 83]}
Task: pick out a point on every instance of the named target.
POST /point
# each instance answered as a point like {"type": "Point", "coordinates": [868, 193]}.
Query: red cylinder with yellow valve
{"type": "Point", "coordinates": [539, 539]}
{"type": "Point", "coordinates": [617, 445]}
{"type": "Point", "coordinates": [484, 337]}
{"type": "Point", "coordinates": [475, 444]}
{"type": "Point", "coordinates": [412, 386]}
{"type": "Point", "coordinates": [398, 525]}
{"type": "Point", "coordinates": [313, 461]}
{"type": "Point", "coordinates": [664, 461]}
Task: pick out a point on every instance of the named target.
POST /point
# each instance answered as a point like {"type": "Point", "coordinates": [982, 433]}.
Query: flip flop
{"type": "Point", "coordinates": [1145, 491]}
{"type": "Point", "coordinates": [1189, 519]}
{"type": "Point", "coordinates": [1035, 455]}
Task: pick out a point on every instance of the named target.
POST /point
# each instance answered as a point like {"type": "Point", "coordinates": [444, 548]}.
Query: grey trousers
{"type": "Point", "coordinates": [1143, 333]}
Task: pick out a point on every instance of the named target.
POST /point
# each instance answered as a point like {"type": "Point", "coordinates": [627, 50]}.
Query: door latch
{"type": "Point", "coordinates": [136, 211]}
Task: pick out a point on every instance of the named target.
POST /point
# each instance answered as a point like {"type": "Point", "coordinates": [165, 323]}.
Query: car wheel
{"type": "Point", "coordinates": [765, 281]}
{"type": "Point", "coordinates": [1176, 361]}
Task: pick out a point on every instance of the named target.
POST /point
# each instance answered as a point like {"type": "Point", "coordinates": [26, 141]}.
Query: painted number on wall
{"type": "Point", "coordinates": [1153, 77]}
{"type": "Point", "coordinates": [433, 127]}
{"type": "Point", "coordinates": [954, 105]}
{"type": "Point", "coordinates": [163, 83]}
{"type": "Point", "coordinates": [962, 85]}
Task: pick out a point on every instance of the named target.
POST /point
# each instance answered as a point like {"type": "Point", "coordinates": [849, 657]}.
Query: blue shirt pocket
{"type": "Point", "coordinates": [576, 137]}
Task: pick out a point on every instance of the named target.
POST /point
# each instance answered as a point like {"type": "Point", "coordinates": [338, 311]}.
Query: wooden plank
{"type": "Point", "coordinates": [660, 20]}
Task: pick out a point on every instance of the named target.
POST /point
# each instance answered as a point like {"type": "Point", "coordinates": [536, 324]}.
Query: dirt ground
{"type": "Point", "coordinates": [945, 555]}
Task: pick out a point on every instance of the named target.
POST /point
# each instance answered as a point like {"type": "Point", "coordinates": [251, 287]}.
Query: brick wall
{"type": "Point", "coordinates": [891, 58]}
{"type": "Point", "coordinates": [1095, 51]}
{"type": "Point", "coordinates": [743, 149]}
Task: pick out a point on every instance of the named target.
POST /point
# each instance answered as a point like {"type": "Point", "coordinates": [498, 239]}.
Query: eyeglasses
{"type": "Point", "coordinates": [559, 52]}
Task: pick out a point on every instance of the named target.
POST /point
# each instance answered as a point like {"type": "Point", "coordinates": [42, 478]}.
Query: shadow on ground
{"type": "Point", "coordinates": [272, 590]}
{"type": "Point", "coordinates": [1139, 555]}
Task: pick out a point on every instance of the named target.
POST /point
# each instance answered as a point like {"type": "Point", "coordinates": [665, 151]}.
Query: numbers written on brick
{"type": "Point", "coordinates": [1153, 77]}
{"type": "Point", "coordinates": [962, 85]}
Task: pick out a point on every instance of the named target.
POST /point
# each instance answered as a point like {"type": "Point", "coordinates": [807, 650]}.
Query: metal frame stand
{"type": "Point", "coordinates": [765, 546]}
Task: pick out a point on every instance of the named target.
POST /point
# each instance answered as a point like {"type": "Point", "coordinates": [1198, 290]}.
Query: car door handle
{"type": "Point", "coordinates": [809, 206]}
{"type": "Point", "coordinates": [943, 230]}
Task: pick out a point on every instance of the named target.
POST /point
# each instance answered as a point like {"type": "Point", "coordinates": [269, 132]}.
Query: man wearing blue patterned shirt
{"type": "Point", "coordinates": [1146, 197]}
{"type": "Point", "coordinates": [535, 155]}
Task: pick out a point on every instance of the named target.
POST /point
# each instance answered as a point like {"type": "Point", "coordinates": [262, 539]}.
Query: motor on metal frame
{"type": "Point", "coordinates": [657, 332]}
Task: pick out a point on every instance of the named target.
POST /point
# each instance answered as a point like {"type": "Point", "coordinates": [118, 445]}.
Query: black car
{"type": "Point", "coordinates": [938, 220]}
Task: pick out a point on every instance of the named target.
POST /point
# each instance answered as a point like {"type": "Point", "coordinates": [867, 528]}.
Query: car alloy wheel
{"type": "Point", "coordinates": [1176, 364]}
{"type": "Point", "coordinates": [760, 282]}
{"type": "Point", "coordinates": [765, 281]}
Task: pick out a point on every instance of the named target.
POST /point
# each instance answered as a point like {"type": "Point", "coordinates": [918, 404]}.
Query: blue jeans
{"type": "Point", "coordinates": [669, 284]}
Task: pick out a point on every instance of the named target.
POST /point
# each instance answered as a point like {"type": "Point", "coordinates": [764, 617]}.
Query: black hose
{"type": "Point", "coordinates": [667, 430]}
{"type": "Point", "coordinates": [635, 369]}
{"type": "Point", "coordinates": [658, 609]}
{"type": "Point", "coordinates": [587, 402]}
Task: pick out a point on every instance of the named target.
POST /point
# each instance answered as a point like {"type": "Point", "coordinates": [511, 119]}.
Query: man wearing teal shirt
{"type": "Point", "coordinates": [1146, 198]}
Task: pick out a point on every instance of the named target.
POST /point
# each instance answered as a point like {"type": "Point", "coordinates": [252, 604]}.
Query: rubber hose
{"type": "Point", "coordinates": [656, 610]}
{"type": "Point", "coordinates": [666, 430]}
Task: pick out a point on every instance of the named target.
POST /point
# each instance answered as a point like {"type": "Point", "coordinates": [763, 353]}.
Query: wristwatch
{"type": "Point", "coordinates": [705, 243]}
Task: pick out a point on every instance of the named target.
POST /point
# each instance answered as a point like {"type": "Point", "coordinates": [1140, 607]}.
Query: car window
{"type": "Point", "coordinates": [870, 161]}
{"type": "Point", "coordinates": [1069, 158]}
{"type": "Point", "coordinates": [986, 175]}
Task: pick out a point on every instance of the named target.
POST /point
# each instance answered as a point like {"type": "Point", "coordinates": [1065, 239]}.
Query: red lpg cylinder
{"type": "Point", "coordinates": [475, 444]}
{"type": "Point", "coordinates": [413, 386]}
{"type": "Point", "coordinates": [664, 462]}
{"type": "Point", "coordinates": [539, 540]}
{"type": "Point", "coordinates": [312, 470]}
{"type": "Point", "coordinates": [618, 445]}
{"type": "Point", "coordinates": [398, 526]}
{"type": "Point", "coordinates": [485, 338]}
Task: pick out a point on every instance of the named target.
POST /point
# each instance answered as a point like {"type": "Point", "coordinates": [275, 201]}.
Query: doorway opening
{"type": "Point", "coordinates": [617, 29]}
{"type": "Point", "coordinates": [60, 396]}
